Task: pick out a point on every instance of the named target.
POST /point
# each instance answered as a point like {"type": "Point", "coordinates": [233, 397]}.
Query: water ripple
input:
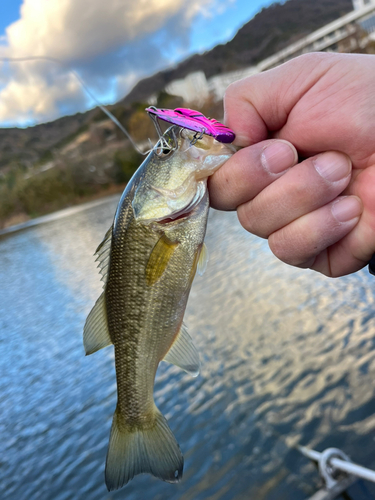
{"type": "Point", "coordinates": [287, 356]}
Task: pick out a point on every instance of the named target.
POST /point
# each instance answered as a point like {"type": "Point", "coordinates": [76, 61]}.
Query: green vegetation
{"type": "Point", "coordinates": [19, 194]}
{"type": "Point", "coordinates": [126, 163]}
{"type": "Point", "coordinates": [34, 193]}
{"type": "Point", "coordinates": [87, 156]}
{"type": "Point", "coordinates": [62, 186]}
{"type": "Point", "coordinates": [40, 194]}
{"type": "Point", "coordinates": [72, 136]}
{"type": "Point", "coordinates": [90, 160]}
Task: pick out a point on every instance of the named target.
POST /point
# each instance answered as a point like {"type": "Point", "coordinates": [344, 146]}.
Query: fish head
{"type": "Point", "coordinates": [175, 182]}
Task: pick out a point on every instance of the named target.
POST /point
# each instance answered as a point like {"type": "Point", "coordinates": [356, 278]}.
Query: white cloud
{"type": "Point", "coordinates": [103, 40]}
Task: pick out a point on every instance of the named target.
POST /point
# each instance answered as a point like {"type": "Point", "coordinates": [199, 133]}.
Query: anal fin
{"type": "Point", "coordinates": [183, 353]}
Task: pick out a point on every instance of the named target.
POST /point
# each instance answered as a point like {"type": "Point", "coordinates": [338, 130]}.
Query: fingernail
{"type": "Point", "coordinates": [279, 156]}
{"type": "Point", "coordinates": [332, 166]}
{"type": "Point", "coordinates": [347, 208]}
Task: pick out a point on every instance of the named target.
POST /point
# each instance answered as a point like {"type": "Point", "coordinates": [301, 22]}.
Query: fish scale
{"type": "Point", "coordinates": [148, 261]}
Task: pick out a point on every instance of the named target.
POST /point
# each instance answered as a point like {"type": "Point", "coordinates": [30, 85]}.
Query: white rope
{"type": "Point", "coordinates": [342, 465]}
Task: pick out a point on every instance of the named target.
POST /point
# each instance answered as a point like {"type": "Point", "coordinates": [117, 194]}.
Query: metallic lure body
{"type": "Point", "coordinates": [195, 121]}
{"type": "Point", "coordinates": [148, 260]}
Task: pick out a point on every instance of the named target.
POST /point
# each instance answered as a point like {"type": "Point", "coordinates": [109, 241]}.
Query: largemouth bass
{"type": "Point", "coordinates": [148, 260]}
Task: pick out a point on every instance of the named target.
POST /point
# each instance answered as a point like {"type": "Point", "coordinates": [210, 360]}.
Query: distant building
{"type": "Point", "coordinates": [193, 88]}
{"type": "Point", "coordinates": [346, 34]}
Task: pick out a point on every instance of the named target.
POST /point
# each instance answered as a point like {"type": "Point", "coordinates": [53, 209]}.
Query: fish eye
{"type": "Point", "coordinates": [163, 152]}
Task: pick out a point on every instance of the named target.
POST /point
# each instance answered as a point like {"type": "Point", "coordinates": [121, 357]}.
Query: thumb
{"type": "Point", "coordinates": [261, 103]}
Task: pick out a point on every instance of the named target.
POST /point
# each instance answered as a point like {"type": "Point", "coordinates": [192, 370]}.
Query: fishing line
{"type": "Point", "coordinates": [159, 148]}
{"type": "Point", "coordinates": [85, 88]}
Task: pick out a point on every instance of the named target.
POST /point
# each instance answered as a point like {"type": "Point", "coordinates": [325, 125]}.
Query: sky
{"type": "Point", "coordinates": [110, 44]}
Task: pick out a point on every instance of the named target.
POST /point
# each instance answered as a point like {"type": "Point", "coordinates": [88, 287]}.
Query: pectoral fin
{"type": "Point", "coordinates": [159, 258]}
{"type": "Point", "coordinates": [199, 263]}
{"type": "Point", "coordinates": [203, 260]}
{"type": "Point", "coordinates": [183, 353]}
{"type": "Point", "coordinates": [96, 333]}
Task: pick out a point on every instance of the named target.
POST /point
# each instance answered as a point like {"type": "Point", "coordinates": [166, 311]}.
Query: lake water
{"type": "Point", "coordinates": [288, 357]}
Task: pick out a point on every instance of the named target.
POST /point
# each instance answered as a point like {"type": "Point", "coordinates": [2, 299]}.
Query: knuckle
{"type": "Point", "coordinates": [250, 221]}
{"type": "Point", "coordinates": [279, 247]}
{"type": "Point", "coordinates": [232, 91]}
{"type": "Point", "coordinates": [240, 87]}
{"type": "Point", "coordinates": [302, 193]}
{"type": "Point", "coordinates": [288, 249]}
{"type": "Point", "coordinates": [244, 216]}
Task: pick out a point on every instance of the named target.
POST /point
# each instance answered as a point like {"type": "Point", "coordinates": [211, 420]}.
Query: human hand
{"type": "Point", "coordinates": [319, 213]}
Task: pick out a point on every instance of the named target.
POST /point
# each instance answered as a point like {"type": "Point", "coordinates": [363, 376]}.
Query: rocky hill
{"type": "Point", "coordinates": [270, 30]}
{"type": "Point", "coordinates": [74, 158]}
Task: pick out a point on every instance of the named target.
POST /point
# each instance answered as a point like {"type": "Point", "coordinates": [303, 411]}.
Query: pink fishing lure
{"type": "Point", "coordinates": [194, 120]}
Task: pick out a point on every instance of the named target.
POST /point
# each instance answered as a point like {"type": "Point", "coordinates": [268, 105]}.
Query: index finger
{"type": "Point", "coordinates": [261, 103]}
{"type": "Point", "coordinates": [241, 115]}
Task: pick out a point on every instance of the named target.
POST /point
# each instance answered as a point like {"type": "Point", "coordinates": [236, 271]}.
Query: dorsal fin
{"type": "Point", "coordinates": [103, 255]}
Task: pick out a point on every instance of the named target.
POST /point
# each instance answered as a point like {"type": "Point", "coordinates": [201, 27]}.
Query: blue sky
{"type": "Point", "coordinates": [111, 44]}
{"type": "Point", "coordinates": [9, 12]}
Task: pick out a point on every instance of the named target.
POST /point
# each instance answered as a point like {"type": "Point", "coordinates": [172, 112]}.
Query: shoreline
{"type": "Point", "coordinates": [59, 214]}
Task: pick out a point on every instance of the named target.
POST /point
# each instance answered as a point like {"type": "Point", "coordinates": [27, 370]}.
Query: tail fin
{"type": "Point", "coordinates": [153, 450]}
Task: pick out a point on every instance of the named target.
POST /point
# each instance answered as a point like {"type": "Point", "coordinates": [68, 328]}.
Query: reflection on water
{"type": "Point", "coordinates": [287, 357]}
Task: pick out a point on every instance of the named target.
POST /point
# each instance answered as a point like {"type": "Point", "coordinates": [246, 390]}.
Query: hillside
{"type": "Point", "coordinates": [74, 158]}
{"type": "Point", "coordinates": [270, 30]}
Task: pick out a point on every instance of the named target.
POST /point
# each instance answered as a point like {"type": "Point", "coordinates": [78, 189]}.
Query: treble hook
{"type": "Point", "coordinates": [154, 119]}
{"type": "Point", "coordinates": [162, 144]}
{"type": "Point", "coordinates": [197, 138]}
